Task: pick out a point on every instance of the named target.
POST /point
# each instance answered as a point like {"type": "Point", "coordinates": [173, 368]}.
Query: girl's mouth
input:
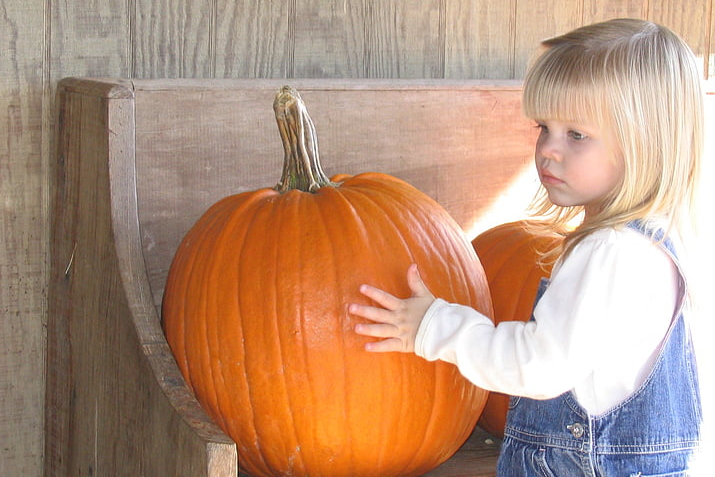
{"type": "Point", "coordinates": [548, 179]}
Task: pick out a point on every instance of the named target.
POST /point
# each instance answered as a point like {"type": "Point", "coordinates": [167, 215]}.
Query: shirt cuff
{"type": "Point", "coordinates": [448, 330]}
{"type": "Point", "coordinates": [424, 327]}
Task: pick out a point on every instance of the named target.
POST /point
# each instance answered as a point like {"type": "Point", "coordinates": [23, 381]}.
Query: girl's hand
{"type": "Point", "coordinates": [398, 320]}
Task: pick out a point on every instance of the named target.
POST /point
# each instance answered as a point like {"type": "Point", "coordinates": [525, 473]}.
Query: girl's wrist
{"type": "Point", "coordinates": [424, 326]}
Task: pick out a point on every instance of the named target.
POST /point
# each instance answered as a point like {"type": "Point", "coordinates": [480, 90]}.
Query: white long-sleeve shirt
{"type": "Point", "coordinates": [597, 328]}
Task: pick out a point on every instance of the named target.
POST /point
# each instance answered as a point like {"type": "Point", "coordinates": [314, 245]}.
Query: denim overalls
{"type": "Point", "coordinates": [654, 432]}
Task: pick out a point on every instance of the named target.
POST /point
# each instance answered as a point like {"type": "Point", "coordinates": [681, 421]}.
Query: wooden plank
{"type": "Point", "coordinates": [195, 147]}
{"type": "Point", "coordinates": [23, 228]}
{"type": "Point", "coordinates": [691, 23]}
{"type": "Point", "coordinates": [369, 39]}
{"type": "Point", "coordinates": [537, 20]}
{"type": "Point", "coordinates": [271, 85]}
{"type": "Point", "coordinates": [116, 402]}
{"type": "Point", "coordinates": [600, 10]}
{"type": "Point", "coordinates": [107, 88]}
{"type": "Point", "coordinates": [57, 383]}
{"type": "Point", "coordinates": [97, 42]}
{"type": "Point", "coordinates": [476, 458]}
{"type": "Point", "coordinates": [61, 455]}
{"type": "Point", "coordinates": [173, 38]}
{"type": "Point", "coordinates": [91, 38]}
{"type": "Point", "coordinates": [405, 39]}
{"type": "Point", "coordinates": [254, 39]}
{"type": "Point", "coordinates": [480, 39]}
{"type": "Point", "coordinates": [329, 40]}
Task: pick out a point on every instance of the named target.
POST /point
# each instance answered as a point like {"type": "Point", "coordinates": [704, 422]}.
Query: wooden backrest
{"type": "Point", "coordinates": [462, 143]}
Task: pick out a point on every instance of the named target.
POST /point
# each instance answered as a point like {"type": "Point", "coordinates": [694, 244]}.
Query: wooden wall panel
{"type": "Point", "coordinates": [480, 39]}
{"type": "Point", "coordinates": [254, 39]}
{"type": "Point", "coordinates": [90, 38]}
{"type": "Point", "coordinates": [599, 10]}
{"type": "Point", "coordinates": [330, 40]}
{"type": "Point", "coordinates": [554, 17]}
{"type": "Point", "coordinates": [689, 18]}
{"type": "Point", "coordinates": [22, 236]}
{"type": "Point", "coordinates": [369, 39]}
{"type": "Point", "coordinates": [173, 186]}
{"type": "Point", "coordinates": [173, 38]}
{"type": "Point", "coordinates": [404, 39]}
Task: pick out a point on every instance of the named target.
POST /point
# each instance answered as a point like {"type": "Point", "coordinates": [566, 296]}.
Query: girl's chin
{"type": "Point", "coordinates": [560, 201]}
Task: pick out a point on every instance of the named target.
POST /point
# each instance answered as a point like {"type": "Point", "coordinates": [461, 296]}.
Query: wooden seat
{"type": "Point", "coordinates": [138, 161]}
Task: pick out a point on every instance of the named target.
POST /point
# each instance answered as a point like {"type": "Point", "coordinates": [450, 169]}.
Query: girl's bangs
{"type": "Point", "coordinates": [560, 91]}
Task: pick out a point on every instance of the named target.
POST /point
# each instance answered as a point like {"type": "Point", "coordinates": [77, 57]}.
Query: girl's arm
{"type": "Point", "coordinates": [458, 334]}
{"type": "Point", "coordinates": [596, 329]}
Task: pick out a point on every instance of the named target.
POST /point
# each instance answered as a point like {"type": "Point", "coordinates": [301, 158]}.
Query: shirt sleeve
{"type": "Point", "coordinates": [615, 287]}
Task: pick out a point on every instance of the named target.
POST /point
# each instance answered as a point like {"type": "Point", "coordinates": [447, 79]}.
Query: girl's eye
{"type": "Point", "coordinates": [577, 135]}
{"type": "Point", "coordinates": [542, 128]}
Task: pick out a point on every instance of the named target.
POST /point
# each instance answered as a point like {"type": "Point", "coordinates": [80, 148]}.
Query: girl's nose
{"type": "Point", "coordinates": [548, 148]}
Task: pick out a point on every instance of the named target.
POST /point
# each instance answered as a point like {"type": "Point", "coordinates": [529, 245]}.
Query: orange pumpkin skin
{"type": "Point", "coordinates": [509, 255]}
{"type": "Point", "coordinates": [255, 312]}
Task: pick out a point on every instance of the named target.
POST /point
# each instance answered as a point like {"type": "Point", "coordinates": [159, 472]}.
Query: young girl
{"type": "Point", "coordinates": [603, 376]}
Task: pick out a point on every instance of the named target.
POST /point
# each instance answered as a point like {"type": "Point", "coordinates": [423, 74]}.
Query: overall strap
{"type": "Point", "coordinates": [657, 234]}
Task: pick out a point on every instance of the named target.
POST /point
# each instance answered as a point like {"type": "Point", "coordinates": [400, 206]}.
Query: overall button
{"type": "Point", "coordinates": [576, 430]}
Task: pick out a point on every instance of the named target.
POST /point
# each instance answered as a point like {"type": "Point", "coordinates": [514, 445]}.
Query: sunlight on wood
{"type": "Point", "coordinates": [511, 204]}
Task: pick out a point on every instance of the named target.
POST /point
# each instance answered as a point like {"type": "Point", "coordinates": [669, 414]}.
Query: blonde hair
{"type": "Point", "coordinates": [639, 81]}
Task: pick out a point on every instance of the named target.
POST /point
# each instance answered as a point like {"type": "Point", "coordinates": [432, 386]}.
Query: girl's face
{"type": "Point", "coordinates": [576, 165]}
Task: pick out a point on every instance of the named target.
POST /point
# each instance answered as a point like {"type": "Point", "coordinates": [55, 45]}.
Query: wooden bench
{"type": "Point", "coordinates": [138, 161]}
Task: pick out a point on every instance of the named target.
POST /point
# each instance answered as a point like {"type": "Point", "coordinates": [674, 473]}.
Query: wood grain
{"type": "Point", "coordinates": [480, 39]}
{"type": "Point", "coordinates": [91, 38]}
{"type": "Point", "coordinates": [600, 10]}
{"type": "Point", "coordinates": [691, 23]}
{"type": "Point", "coordinates": [254, 39]}
{"type": "Point", "coordinates": [536, 20]}
{"type": "Point", "coordinates": [369, 39]}
{"type": "Point", "coordinates": [174, 38]}
{"type": "Point", "coordinates": [404, 39]}
{"type": "Point", "coordinates": [23, 227]}
{"type": "Point", "coordinates": [330, 40]}
{"type": "Point", "coordinates": [196, 147]}
{"type": "Point", "coordinates": [476, 458]}
{"type": "Point", "coordinates": [116, 403]}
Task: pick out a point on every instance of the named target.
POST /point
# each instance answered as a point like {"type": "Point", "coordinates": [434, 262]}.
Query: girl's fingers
{"type": "Point", "coordinates": [376, 330]}
{"type": "Point", "coordinates": [384, 346]}
{"type": "Point", "coordinates": [372, 313]}
{"type": "Point", "coordinates": [414, 280]}
{"type": "Point", "coordinates": [381, 297]}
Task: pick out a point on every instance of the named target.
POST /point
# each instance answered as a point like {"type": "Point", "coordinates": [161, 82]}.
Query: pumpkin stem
{"type": "Point", "coordinates": [301, 165]}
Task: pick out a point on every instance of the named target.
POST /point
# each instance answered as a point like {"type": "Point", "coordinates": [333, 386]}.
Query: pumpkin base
{"type": "Point", "coordinates": [477, 457]}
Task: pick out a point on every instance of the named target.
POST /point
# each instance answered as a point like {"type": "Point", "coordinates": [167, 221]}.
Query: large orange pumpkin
{"type": "Point", "coordinates": [255, 311]}
{"type": "Point", "coordinates": [510, 256]}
